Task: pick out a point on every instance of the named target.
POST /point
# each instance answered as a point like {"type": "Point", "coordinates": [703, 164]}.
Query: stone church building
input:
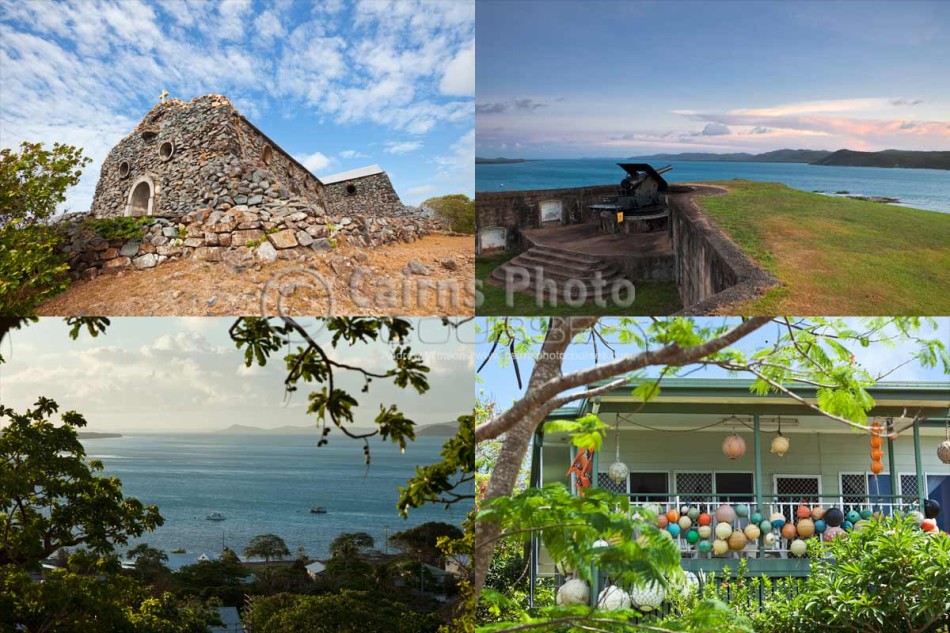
{"type": "Point", "coordinates": [213, 187]}
{"type": "Point", "coordinates": [185, 156]}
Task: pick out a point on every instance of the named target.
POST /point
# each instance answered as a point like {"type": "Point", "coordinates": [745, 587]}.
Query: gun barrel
{"type": "Point", "coordinates": [663, 170]}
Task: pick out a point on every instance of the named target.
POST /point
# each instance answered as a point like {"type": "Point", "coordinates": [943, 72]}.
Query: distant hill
{"type": "Point", "coordinates": [498, 161]}
{"type": "Point", "coordinates": [444, 429]}
{"type": "Point", "coordinates": [777, 156]}
{"type": "Point", "coordinates": [90, 435]}
{"type": "Point", "coordinates": [695, 157]}
{"type": "Point", "coordinates": [888, 158]}
{"type": "Point", "coordinates": [286, 429]}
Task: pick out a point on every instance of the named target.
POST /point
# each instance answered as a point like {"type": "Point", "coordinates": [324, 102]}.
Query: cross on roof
{"type": "Point", "coordinates": [163, 95]}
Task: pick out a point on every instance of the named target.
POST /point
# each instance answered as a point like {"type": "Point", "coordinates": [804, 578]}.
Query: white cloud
{"type": "Point", "coordinates": [82, 72]}
{"type": "Point", "coordinates": [420, 190]}
{"type": "Point", "coordinates": [459, 77]}
{"type": "Point", "coordinates": [402, 147]}
{"type": "Point", "coordinates": [267, 25]}
{"type": "Point", "coordinates": [315, 162]}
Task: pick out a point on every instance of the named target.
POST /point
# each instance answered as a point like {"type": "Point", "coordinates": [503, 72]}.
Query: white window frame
{"type": "Point", "coordinates": [900, 476]}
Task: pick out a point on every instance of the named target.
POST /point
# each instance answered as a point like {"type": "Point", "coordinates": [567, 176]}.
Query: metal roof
{"type": "Point", "coordinates": [734, 396]}
{"type": "Point", "coordinates": [353, 174]}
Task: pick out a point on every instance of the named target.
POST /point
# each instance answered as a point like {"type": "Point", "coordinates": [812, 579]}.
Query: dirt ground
{"type": "Point", "coordinates": [347, 281]}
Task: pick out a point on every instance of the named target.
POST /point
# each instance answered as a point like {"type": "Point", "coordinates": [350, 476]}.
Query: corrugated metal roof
{"type": "Point", "coordinates": [352, 174]}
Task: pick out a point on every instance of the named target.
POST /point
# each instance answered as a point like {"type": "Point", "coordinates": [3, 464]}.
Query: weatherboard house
{"type": "Point", "coordinates": [207, 183]}
{"type": "Point", "coordinates": [732, 474]}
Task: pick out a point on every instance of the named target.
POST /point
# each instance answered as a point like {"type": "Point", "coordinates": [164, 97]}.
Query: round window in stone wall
{"type": "Point", "coordinates": [124, 169]}
{"type": "Point", "coordinates": [267, 155]}
{"type": "Point", "coordinates": [350, 189]}
{"type": "Point", "coordinates": [167, 150]}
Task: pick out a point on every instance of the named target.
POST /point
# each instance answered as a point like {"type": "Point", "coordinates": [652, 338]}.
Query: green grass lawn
{"type": "Point", "coordinates": [659, 298]}
{"type": "Point", "coordinates": [837, 256]}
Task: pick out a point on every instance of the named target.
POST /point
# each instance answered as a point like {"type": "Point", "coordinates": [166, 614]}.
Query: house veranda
{"type": "Point", "coordinates": [673, 448]}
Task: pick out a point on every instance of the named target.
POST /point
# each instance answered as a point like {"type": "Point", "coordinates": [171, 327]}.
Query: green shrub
{"type": "Point", "coordinates": [890, 577]}
{"type": "Point", "coordinates": [120, 228]}
{"type": "Point", "coordinates": [32, 182]}
{"type": "Point", "coordinates": [458, 209]}
{"type": "Point", "coordinates": [31, 268]}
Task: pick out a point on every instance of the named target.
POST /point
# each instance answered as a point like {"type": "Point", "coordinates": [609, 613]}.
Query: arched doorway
{"type": "Point", "coordinates": [141, 198]}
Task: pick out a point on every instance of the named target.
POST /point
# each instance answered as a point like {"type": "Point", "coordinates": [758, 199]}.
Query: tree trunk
{"type": "Point", "coordinates": [518, 438]}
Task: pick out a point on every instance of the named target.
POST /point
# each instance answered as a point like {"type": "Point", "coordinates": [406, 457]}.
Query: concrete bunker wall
{"type": "Point", "coordinates": [712, 272]}
{"type": "Point", "coordinates": [367, 195]}
{"type": "Point", "coordinates": [516, 210]}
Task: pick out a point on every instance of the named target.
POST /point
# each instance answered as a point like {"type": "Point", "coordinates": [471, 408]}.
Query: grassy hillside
{"type": "Point", "coordinates": [836, 256]}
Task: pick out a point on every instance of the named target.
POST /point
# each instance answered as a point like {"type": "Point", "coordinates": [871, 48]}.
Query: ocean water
{"type": "Point", "coordinates": [920, 188]}
{"type": "Point", "coordinates": [267, 484]}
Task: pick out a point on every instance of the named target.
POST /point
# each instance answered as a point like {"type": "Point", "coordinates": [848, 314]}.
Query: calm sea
{"type": "Point", "coordinates": [920, 188]}
{"type": "Point", "coordinates": [266, 484]}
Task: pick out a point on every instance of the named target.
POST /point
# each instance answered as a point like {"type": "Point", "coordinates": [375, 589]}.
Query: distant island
{"type": "Point", "coordinates": [440, 429]}
{"type": "Point", "coordinates": [840, 158]}
{"type": "Point", "coordinates": [499, 161]}
{"type": "Point", "coordinates": [89, 435]}
{"type": "Point", "coordinates": [284, 430]}
{"type": "Point", "coordinates": [444, 429]}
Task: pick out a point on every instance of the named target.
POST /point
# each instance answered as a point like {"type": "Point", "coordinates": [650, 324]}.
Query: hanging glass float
{"type": "Point", "coordinates": [737, 540]}
{"type": "Point", "coordinates": [726, 513]}
{"type": "Point", "coordinates": [733, 446]}
{"type": "Point", "coordinates": [613, 598]}
{"type": "Point", "coordinates": [798, 548]}
{"type": "Point", "coordinates": [618, 471]}
{"type": "Point", "coordinates": [752, 531]}
{"type": "Point", "coordinates": [780, 443]}
{"type": "Point", "coordinates": [805, 528]}
{"type": "Point", "coordinates": [943, 449]}
{"type": "Point", "coordinates": [723, 530]}
{"type": "Point", "coordinates": [648, 597]}
{"type": "Point", "coordinates": [574, 591]}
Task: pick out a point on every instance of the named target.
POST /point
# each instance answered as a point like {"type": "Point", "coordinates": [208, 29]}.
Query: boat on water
{"type": "Point", "coordinates": [318, 510]}
{"type": "Point", "coordinates": [215, 516]}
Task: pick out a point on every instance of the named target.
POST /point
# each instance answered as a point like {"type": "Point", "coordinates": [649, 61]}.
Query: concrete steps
{"type": "Point", "coordinates": [561, 275]}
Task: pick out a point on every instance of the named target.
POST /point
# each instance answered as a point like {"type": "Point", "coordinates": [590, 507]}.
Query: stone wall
{"type": "Point", "coordinates": [712, 272]}
{"type": "Point", "coordinates": [238, 236]}
{"type": "Point", "coordinates": [185, 156]}
{"type": "Point", "coordinates": [369, 195]}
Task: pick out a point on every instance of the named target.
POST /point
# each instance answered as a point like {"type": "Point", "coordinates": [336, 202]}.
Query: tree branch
{"type": "Point", "coordinates": [670, 355]}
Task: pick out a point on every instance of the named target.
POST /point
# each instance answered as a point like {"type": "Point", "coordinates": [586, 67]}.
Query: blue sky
{"type": "Point", "coordinates": [337, 84]}
{"type": "Point", "coordinates": [572, 79]}
{"type": "Point", "coordinates": [497, 380]}
{"type": "Point", "coordinates": [150, 375]}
